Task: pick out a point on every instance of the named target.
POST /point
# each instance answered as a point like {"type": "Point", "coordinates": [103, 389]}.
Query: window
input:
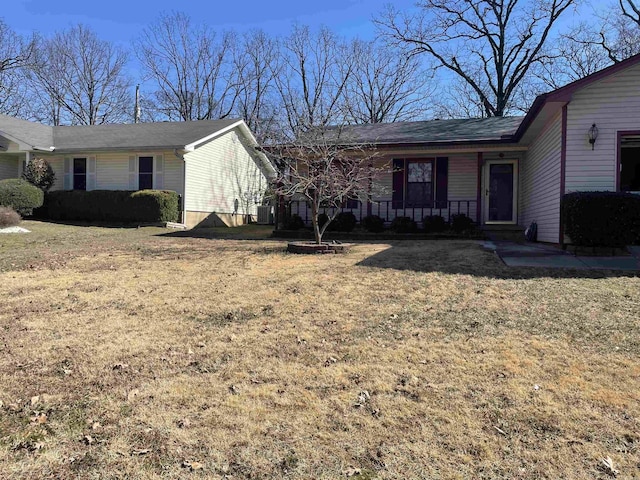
{"type": "Point", "coordinates": [419, 183]}
{"type": "Point", "coordinates": [630, 164]}
{"type": "Point", "coordinates": [79, 173]}
{"type": "Point", "coordinates": [145, 173]}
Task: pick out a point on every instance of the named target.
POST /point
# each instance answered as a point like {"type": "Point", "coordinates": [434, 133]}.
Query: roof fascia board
{"type": "Point", "coordinates": [192, 146]}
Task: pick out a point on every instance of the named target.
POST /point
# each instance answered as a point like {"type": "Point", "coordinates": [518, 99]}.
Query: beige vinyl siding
{"type": "Point", "coordinates": [173, 173]}
{"type": "Point", "coordinates": [540, 182]}
{"type": "Point", "coordinates": [112, 171]}
{"type": "Point", "coordinates": [614, 105]}
{"type": "Point", "coordinates": [220, 171]}
{"type": "Point", "coordinates": [8, 167]}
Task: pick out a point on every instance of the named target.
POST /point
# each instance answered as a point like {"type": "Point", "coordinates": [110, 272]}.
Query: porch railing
{"type": "Point", "coordinates": [387, 211]}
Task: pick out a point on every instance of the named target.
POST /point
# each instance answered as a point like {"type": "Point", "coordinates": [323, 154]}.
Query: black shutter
{"type": "Point", "coordinates": [398, 184]}
{"type": "Point", "coordinates": [442, 182]}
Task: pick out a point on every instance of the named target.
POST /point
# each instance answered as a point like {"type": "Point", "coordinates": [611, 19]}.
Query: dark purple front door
{"type": "Point", "coordinates": [501, 192]}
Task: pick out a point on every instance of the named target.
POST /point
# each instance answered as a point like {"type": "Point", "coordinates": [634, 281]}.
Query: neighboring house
{"type": "Point", "coordinates": [505, 172]}
{"type": "Point", "coordinates": [212, 164]}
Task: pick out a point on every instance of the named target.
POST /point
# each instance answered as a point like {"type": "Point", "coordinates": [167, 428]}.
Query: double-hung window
{"type": "Point", "coordinates": [419, 183]}
{"type": "Point", "coordinates": [145, 173]}
{"type": "Point", "coordinates": [79, 173]}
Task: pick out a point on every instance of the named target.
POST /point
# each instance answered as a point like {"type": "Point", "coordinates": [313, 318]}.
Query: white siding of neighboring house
{"type": "Point", "coordinates": [540, 182]}
{"type": "Point", "coordinates": [8, 167]}
{"type": "Point", "coordinates": [112, 169]}
{"type": "Point", "coordinates": [220, 171]}
{"type": "Point", "coordinates": [614, 105]}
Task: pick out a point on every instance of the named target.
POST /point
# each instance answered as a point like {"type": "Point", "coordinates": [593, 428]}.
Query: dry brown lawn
{"type": "Point", "coordinates": [128, 354]}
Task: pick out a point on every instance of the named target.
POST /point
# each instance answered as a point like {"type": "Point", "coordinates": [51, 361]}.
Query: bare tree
{"type": "Point", "coordinates": [576, 55]}
{"type": "Point", "coordinates": [190, 68]}
{"type": "Point", "coordinates": [79, 79]}
{"type": "Point", "coordinates": [619, 34]}
{"type": "Point", "coordinates": [326, 169]}
{"type": "Point", "coordinates": [256, 63]}
{"type": "Point", "coordinates": [386, 85]}
{"type": "Point", "coordinates": [312, 79]}
{"type": "Point", "coordinates": [490, 44]}
{"type": "Point", "coordinates": [15, 53]}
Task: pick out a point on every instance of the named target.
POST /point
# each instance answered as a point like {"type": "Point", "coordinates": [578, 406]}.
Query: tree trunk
{"type": "Point", "coordinates": [314, 221]}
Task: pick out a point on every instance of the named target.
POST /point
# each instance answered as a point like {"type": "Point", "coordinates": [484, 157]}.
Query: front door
{"type": "Point", "coordinates": [501, 191]}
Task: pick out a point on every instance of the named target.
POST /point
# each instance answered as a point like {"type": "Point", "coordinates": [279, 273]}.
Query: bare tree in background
{"type": "Point", "coordinates": [326, 169]}
{"type": "Point", "coordinates": [576, 55]}
{"type": "Point", "coordinates": [312, 79]}
{"type": "Point", "coordinates": [15, 53]}
{"type": "Point", "coordinates": [79, 79]}
{"type": "Point", "coordinates": [490, 44]}
{"type": "Point", "coordinates": [190, 66]}
{"type": "Point", "coordinates": [256, 63]}
{"type": "Point", "coordinates": [619, 34]}
{"type": "Point", "coordinates": [386, 86]}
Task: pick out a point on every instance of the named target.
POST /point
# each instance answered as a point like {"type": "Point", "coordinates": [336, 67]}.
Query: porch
{"type": "Point", "coordinates": [388, 211]}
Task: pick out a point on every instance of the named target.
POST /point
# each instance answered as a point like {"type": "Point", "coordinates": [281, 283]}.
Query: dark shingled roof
{"type": "Point", "coordinates": [99, 137]}
{"type": "Point", "coordinates": [468, 130]}
{"type": "Point", "coordinates": [136, 135]}
{"type": "Point", "coordinates": [31, 133]}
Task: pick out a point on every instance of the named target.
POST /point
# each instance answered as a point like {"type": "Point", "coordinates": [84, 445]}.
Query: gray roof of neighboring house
{"type": "Point", "coordinates": [30, 133]}
{"type": "Point", "coordinates": [120, 136]}
{"type": "Point", "coordinates": [469, 130]}
{"type": "Point", "coordinates": [136, 135]}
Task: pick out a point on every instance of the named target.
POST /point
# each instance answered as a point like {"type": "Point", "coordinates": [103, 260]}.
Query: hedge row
{"type": "Point", "coordinates": [601, 219]}
{"type": "Point", "coordinates": [144, 206]}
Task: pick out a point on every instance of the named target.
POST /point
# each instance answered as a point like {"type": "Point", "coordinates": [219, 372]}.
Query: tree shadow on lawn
{"type": "Point", "coordinates": [243, 232]}
{"type": "Point", "coordinates": [469, 258]}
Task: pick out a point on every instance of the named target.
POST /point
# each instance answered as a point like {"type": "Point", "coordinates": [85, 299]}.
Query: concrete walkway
{"type": "Point", "coordinates": [546, 256]}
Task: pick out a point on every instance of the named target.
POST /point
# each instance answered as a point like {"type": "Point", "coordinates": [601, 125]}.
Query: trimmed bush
{"type": "Point", "coordinates": [434, 223]}
{"type": "Point", "coordinates": [39, 173]}
{"type": "Point", "coordinates": [373, 223]}
{"type": "Point", "coordinates": [294, 222]}
{"type": "Point", "coordinates": [20, 195]}
{"type": "Point", "coordinates": [461, 223]}
{"type": "Point", "coordinates": [156, 205]}
{"type": "Point", "coordinates": [601, 219]}
{"type": "Point", "coordinates": [344, 222]}
{"type": "Point", "coordinates": [9, 217]}
{"type": "Point", "coordinates": [404, 225]}
{"type": "Point", "coordinates": [144, 206]}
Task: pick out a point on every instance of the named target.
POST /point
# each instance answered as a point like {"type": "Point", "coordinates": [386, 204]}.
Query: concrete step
{"type": "Point", "coordinates": [512, 233]}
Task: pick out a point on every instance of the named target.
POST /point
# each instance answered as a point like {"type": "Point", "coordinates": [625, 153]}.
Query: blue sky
{"type": "Point", "coordinates": [120, 20]}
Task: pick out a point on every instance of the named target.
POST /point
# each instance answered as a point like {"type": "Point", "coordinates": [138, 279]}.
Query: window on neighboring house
{"type": "Point", "coordinates": [79, 173]}
{"type": "Point", "coordinates": [419, 183]}
{"type": "Point", "coordinates": [630, 164]}
{"type": "Point", "coordinates": [145, 173]}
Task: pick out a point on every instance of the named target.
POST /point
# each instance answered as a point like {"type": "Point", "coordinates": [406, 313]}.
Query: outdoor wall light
{"type": "Point", "coordinates": [593, 136]}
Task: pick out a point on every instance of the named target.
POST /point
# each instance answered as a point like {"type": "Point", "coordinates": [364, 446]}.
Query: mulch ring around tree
{"type": "Point", "coordinates": [310, 248]}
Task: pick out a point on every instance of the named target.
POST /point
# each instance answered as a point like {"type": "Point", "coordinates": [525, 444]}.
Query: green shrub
{"type": "Point", "coordinates": [601, 219]}
{"type": "Point", "coordinates": [39, 173]}
{"type": "Point", "coordinates": [434, 223]}
{"type": "Point", "coordinates": [20, 195]}
{"type": "Point", "coordinates": [156, 205]}
{"type": "Point", "coordinates": [144, 206]}
{"type": "Point", "coordinates": [404, 225]}
{"type": "Point", "coordinates": [9, 217]}
{"type": "Point", "coordinates": [373, 223]}
{"type": "Point", "coordinates": [344, 222]}
{"type": "Point", "coordinates": [461, 223]}
{"type": "Point", "coordinates": [294, 222]}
